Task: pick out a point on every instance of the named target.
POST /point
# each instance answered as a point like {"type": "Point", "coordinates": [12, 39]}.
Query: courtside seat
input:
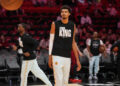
{"type": "Point", "coordinates": [12, 66]}
{"type": "Point", "coordinates": [3, 69]}
{"type": "Point", "coordinates": [85, 64]}
{"type": "Point", "coordinates": [110, 66]}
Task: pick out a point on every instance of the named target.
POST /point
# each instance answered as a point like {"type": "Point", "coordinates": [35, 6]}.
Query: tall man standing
{"type": "Point", "coordinates": [62, 40]}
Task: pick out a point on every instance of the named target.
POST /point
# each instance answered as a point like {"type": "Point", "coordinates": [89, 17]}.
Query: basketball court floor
{"type": "Point", "coordinates": [84, 83]}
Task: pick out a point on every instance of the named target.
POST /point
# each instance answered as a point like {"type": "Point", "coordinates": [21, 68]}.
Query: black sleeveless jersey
{"type": "Point", "coordinates": [63, 39]}
{"type": "Point", "coordinates": [94, 47]}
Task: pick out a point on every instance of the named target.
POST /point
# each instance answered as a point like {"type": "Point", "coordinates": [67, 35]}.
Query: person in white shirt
{"type": "Point", "coordinates": [44, 44]}
{"type": "Point", "coordinates": [112, 10]}
{"type": "Point", "coordinates": [93, 49]}
{"type": "Point", "coordinates": [86, 19]}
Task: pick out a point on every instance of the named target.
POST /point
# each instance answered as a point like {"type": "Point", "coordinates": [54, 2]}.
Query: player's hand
{"type": "Point", "coordinates": [91, 55]}
{"type": "Point", "coordinates": [27, 54]}
{"type": "Point", "coordinates": [105, 54]}
{"type": "Point", "coordinates": [14, 47]}
{"type": "Point", "coordinates": [50, 61]}
{"type": "Point", "coordinates": [78, 66]}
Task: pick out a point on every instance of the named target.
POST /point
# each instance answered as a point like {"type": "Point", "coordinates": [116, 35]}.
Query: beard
{"type": "Point", "coordinates": [64, 18]}
{"type": "Point", "coordinates": [19, 32]}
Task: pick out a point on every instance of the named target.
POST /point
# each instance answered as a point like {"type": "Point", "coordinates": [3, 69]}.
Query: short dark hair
{"type": "Point", "coordinates": [23, 25]}
{"type": "Point", "coordinates": [66, 7]}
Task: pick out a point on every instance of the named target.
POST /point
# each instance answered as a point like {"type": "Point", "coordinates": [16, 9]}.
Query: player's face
{"type": "Point", "coordinates": [95, 35]}
{"type": "Point", "coordinates": [65, 13]}
{"type": "Point", "coordinates": [20, 28]}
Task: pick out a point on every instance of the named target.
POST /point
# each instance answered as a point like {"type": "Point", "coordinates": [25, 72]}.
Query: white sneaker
{"type": "Point", "coordinates": [95, 77]}
{"type": "Point", "coordinates": [90, 77]}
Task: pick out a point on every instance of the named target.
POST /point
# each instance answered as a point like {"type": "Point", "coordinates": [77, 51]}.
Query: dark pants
{"type": "Point", "coordinates": [118, 68]}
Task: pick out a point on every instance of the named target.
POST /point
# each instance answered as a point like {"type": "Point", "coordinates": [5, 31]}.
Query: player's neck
{"type": "Point", "coordinates": [65, 21]}
{"type": "Point", "coordinates": [95, 38]}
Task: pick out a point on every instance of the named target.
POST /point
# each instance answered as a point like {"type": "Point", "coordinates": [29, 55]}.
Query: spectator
{"type": "Point", "coordinates": [108, 46]}
{"type": "Point", "coordinates": [111, 10]}
{"type": "Point", "coordinates": [51, 3]}
{"type": "Point", "coordinates": [118, 24]}
{"type": "Point", "coordinates": [3, 43]}
{"type": "Point", "coordinates": [86, 20]}
{"type": "Point", "coordinates": [59, 17]}
{"type": "Point", "coordinates": [20, 11]}
{"type": "Point", "coordinates": [2, 11]}
{"type": "Point", "coordinates": [81, 1]}
{"type": "Point", "coordinates": [58, 2]}
{"type": "Point", "coordinates": [93, 49]}
{"type": "Point", "coordinates": [42, 2]}
{"type": "Point", "coordinates": [43, 46]}
{"type": "Point", "coordinates": [35, 2]}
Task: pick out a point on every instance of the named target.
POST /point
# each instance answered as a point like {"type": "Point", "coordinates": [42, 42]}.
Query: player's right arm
{"type": "Point", "coordinates": [52, 34]}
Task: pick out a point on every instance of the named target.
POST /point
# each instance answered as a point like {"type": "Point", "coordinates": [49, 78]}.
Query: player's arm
{"type": "Point", "coordinates": [79, 52]}
{"type": "Point", "coordinates": [75, 50]}
{"type": "Point", "coordinates": [15, 46]}
{"type": "Point", "coordinates": [52, 34]}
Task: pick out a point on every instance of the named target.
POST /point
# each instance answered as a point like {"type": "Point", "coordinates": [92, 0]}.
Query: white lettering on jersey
{"type": "Point", "coordinates": [64, 32]}
{"type": "Point", "coordinates": [95, 44]}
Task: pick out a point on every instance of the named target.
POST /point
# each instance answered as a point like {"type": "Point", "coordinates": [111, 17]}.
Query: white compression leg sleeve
{"type": "Point", "coordinates": [51, 43]}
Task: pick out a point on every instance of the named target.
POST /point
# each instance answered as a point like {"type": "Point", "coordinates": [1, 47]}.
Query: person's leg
{"type": "Point", "coordinates": [97, 60]}
{"type": "Point", "coordinates": [91, 63]}
{"type": "Point", "coordinates": [24, 72]}
{"type": "Point", "coordinates": [66, 70]}
{"type": "Point", "coordinates": [96, 69]}
{"type": "Point", "coordinates": [39, 73]}
{"type": "Point", "coordinates": [58, 70]}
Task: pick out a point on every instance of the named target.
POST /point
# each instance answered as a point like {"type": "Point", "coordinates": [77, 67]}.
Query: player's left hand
{"type": "Point", "coordinates": [27, 54]}
{"type": "Point", "coordinates": [78, 66]}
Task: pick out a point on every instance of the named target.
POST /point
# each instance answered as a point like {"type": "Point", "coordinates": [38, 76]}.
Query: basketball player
{"type": "Point", "coordinates": [29, 63]}
{"type": "Point", "coordinates": [93, 49]}
{"type": "Point", "coordinates": [62, 40]}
